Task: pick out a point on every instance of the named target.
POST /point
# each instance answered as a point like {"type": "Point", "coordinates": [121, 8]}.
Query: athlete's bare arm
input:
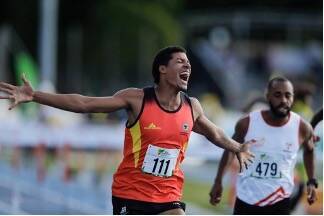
{"type": "Point", "coordinates": [216, 135]}
{"type": "Point", "coordinates": [129, 99]}
{"type": "Point", "coordinates": [306, 138]}
{"type": "Point", "coordinates": [227, 158]}
{"type": "Point", "coordinates": [317, 118]}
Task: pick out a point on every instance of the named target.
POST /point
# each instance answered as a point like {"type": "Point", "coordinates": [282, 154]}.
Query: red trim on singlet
{"type": "Point", "coordinates": [279, 190]}
{"type": "Point", "coordinates": [262, 112]}
{"type": "Point", "coordinates": [276, 199]}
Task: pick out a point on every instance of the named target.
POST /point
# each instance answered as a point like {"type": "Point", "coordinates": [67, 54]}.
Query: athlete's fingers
{"type": "Point", "coordinates": [218, 199]}
{"type": "Point", "coordinates": [23, 77]}
{"type": "Point", "coordinates": [310, 200]}
{"type": "Point", "coordinates": [211, 197]}
{"type": "Point", "coordinates": [241, 166]}
{"type": "Point", "coordinates": [311, 195]}
{"type": "Point", "coordinates": [6, 85]}
{"type": "Point", "coordinates": [6, 97]}
{"type": "Point", "coordinates": [214, 199]}
{"type": "Point", "coordinates": [240, 161]}
{"type": "Point", "coordinates": [13, 105]}
{"type": "Point", "coordinates": [245, 164]}
{"type": "Point", "coordinates": [6, 90]}
{"type": "Point", "coordinates": [252, 141]}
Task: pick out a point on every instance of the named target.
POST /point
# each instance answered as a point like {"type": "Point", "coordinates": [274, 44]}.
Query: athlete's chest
{"type": "Point", "coordinates": [165, 126]}
{"type": "Point", "coordinates": [171, 126]}
{"type": "Point", "coordinates": [274, 153]}
{"type": "Point", "coordinates": [274, 141]}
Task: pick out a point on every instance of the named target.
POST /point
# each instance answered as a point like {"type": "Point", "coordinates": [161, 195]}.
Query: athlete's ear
{"type": "Point", "coordinates": [162, 69]}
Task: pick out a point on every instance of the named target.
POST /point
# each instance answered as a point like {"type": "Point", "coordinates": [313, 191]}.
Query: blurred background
{"type": "Point", "coordinates": [55, 162]}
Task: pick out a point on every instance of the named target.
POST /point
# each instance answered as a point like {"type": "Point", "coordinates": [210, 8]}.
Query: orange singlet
{"type": "Point", "coordinates": [154, 147]}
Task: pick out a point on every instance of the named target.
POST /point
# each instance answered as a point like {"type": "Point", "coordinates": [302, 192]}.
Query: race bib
{"type": "Point", "coordinates": [266, 166]}
{"type": "Point", "coordinates": [160, 161]}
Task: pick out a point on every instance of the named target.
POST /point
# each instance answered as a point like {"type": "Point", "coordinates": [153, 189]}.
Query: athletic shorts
{"type": "Point", "coordinates": [279, 208]}
{"type": "Point", "coordinates": [133, 207]}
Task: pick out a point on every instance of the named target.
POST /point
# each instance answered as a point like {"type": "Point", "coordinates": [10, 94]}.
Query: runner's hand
{"type": "Point", "coordinates": [245, 156]}
{"type": "Point", "coordinates": [311, 194]}
{"type": "Point", "coordinates": [17, 94]}
{"type": "Point", "coordinates": [316, 138]}
{"type": "Point", "coordinates": [216, 193]}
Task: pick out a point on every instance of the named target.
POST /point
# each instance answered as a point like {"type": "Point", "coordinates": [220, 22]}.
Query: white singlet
{"type": "Point", "coordinates": [270, 178]}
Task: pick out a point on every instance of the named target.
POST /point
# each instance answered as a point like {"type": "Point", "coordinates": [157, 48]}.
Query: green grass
{"type": "Point", "coordinates": [198, 193]}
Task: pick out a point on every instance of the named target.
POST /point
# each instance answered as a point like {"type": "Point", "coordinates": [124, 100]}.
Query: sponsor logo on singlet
{"type": "Point", "coordinates": [288, 147]}
{"type": "Point", "coordinates": [152, 126]}
{"type": "Point", "coordinates": [185, 128]}
{"type": "Point", "coordinates": [163, 153]}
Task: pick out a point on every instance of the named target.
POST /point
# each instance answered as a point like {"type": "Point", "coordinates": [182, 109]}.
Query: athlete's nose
{"type": "Point", "coordinates": [283, 100]}
{"type": "Point", "coordinates": [188, 66]}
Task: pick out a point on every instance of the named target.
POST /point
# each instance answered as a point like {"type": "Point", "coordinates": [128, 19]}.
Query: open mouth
{"type": "Point", "coordinates": [283, 109]}
{"type": "Point", "coordinates": [184, 77]}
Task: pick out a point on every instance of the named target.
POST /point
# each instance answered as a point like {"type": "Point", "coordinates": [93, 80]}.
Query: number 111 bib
{"type": "Point", "coordinates": [160, 161]}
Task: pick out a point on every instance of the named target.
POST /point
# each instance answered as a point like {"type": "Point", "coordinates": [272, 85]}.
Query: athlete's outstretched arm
{"type": "Point", "coordinates": [69, 102]}
{"type": "Point", "coordinates": [306, 133]}
{"type": "Point", "coordinates": [226, 160]}
{"type": "Point", "coordinates": [216, 135]}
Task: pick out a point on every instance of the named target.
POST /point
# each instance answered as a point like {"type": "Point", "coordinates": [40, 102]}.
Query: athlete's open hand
{"type": "Point", "coordinates": [216, 193]}
{"type": "Point", "coordinates": [17, 94]}
{"type": "Point", "coordinates": [245, 156]}
{"type": "Point", "coordinates": [311, 194]}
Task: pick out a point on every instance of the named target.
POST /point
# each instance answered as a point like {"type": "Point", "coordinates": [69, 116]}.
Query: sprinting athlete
{"type": "Point", "coordinates": [160, 119]}
{"type": "Point", "coordinates": [266, 185]}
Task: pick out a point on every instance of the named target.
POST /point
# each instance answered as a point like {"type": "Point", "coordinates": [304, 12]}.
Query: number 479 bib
{"type": "Point", "coordinates": [266, 166]}
{"type": "Point", "coordinates": [160, 161]}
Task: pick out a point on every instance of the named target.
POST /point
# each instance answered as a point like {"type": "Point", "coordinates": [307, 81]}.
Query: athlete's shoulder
{"type": "Point", "coordinates": [197, 110]}
{"type": "Point", "coordinates": [193, 99]}
{"type": "Point", "coordinates": [243, 122]}
{"type": "Point", "coordinates": [241, 128]}
{"type": "Point", "coordinates": [306, 134]}
{"type": "Point", "coordinates": [305, 128]}
{"type": "Point", "coordinates": [130, 92]}
{"type": "Point", "coordinates": [196, 106]}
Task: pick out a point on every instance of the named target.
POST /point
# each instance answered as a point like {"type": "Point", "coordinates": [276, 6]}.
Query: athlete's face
{"type": "Point", "coordinates": [280, 97]}
{"type": "Point", "coordinates": [178, 71]}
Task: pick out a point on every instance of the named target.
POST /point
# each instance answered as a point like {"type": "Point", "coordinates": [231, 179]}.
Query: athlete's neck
{"type": "Point", "coordinates": [168, 99]}
{"type": "Point", "coordinates": [274, 120]}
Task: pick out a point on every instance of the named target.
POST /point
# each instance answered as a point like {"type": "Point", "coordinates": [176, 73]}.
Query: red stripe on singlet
{"type": "Point", "coordinates": [276, 199]}
{"type": "Point", "coordinates": [279, 190]}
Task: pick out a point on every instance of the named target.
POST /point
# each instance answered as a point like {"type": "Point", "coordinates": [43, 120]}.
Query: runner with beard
{"type": "Point", "coordinates": [266, 185]}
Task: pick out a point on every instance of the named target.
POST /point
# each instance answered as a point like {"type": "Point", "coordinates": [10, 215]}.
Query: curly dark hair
{"type": "Point", "coordinates": [162, 58]}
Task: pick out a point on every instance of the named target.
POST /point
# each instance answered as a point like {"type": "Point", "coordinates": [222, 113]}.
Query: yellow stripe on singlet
{"type": "Point", "coordinates": [135, 132]}
{"type": "Point", "coordinates": [184, 148]}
